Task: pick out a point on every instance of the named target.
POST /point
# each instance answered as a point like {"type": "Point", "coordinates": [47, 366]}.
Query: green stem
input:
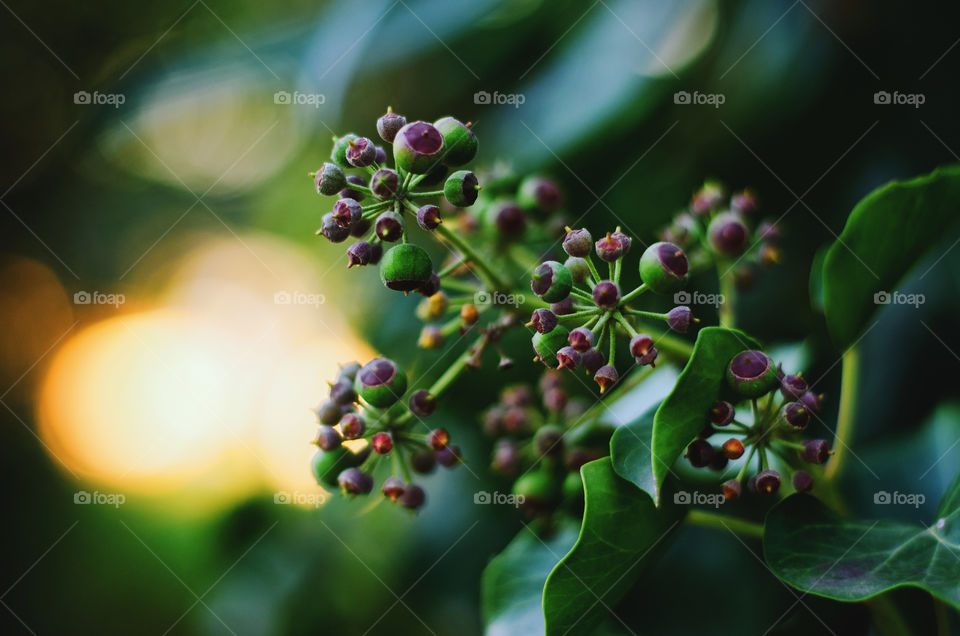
{"type": "Point", "coordinates": [432, 193]}
{"type": "Point", "coordinates": [485, 269]}
{"type": "Point", "coordinates": [729, 291]}
{"type": "Point", "coordinates": [593, 269]}
{"type": "Point", "coordinates": [578, 314]}
{"type": "Point", "coordinates": [626, 325]}
{"type": "Point", "coordinates": [847, 411]}
{"type": "Point", "coordinates": [581, 295]}
{"type": "Point", "coordinates": [645, 314]}
{"type": "Point", "coordinates": [636, 292]}
{"type": "Point", "coordinates": [459, 285]}
{"type": "Point", "coordinates": [708, 519]}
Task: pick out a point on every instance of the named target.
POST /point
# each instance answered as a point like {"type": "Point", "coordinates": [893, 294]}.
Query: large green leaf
{"type": "Point", "coordinates": [887, 232]}
{"type": "Point", "coordinates": [513, 581]}
{"type": "Point", "coordinates": [683, 414]}
{"type": "Point", "coordinates": [630, 452]}
{"type": "Point", "coordinates": [815, 551]}
{"type": "Point", "coordinates": [622, 530]}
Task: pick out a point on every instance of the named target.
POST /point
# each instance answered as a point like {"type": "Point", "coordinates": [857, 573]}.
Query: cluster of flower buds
{"type": "Point", "coordinates": [535, 445]}
{"type": "Point", "coordinates": [782, 407]}
{"type": "Point", "coordinates": [594, 307]}
{"type": "Point", "coordinates": [377, 207]}
{"type": "Point", "coordinates": [365, 421]}
{"type": "Point", "coordinates": [718, 228]}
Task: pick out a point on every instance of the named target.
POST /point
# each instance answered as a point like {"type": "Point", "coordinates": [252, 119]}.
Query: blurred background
{"type": "Point", "coordinates": [156, 214]}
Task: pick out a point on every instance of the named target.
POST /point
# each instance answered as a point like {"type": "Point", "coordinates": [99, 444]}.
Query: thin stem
{"type": "Point", "coordinates": [419, 195]}
{"type": "Point", "coordinates": [746, 464]}
{"type": "Point", "coordinates": [729, 291]}
{"type": "Point", "coordinates": [626, 325]}
{"type": "Point", "coordinates": [485, 269]}
{"type": "Point", "coordinates": [645, 314]}
{"type": "Point", "coordinates": [578, 314]}
{"type": "Point", "coordinates": [636, 292]}
{"type": "Point", "coordinates": [847, 410]}
{"type": "Point", "coordinates": [581, 295]}
{"type": "Point", "coordinates": [593, 269]}
{"type": "Point", "coordinates": [616, 270]}
{"type": "Point", "coordinates": [459, 285]}
{"type": "Point", "coordinates": [708, 519]}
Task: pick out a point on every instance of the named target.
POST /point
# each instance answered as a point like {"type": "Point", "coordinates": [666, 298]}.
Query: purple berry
{"type": "Point", "coordinates": [352, 426]}
{"type": "Point", "coordinates": [422, 403]}
{"type": "Point", "coordinates": [393, 488]}
{"type": "Point", "coordinates": [543, 320]}
{"type": "Point", "coordinates": [389, 226]}
{"type": "Point", "coordinates": [449, 456]}
{"type": "Point", "coordinates": [568, 358]}
{"type": "Point", "coordinates": [793, 387]}
{"type": "Point", "coordinates": [767, 482]}
{"type": "Point", "coordinates": [328, 438]}
{"type": "Point", "coordinates": [592, 360]}
{"type": "Point", "coordinates": [812, 400]}
{"type": "Point", "coordinates": [577, 243]}
{"type": "Point", "coordinates": [581, 339]}
{"type": "Point", "coordinates": [722, 413]}
{"type": "Point", "coordinates": [413, 497]}
{"type": "Point", "coordinates": [389, 125]}
{"type": "Point", "coordinates": [359, 254]}
{"type": "Point", "coordinates": [384, 183]}
{"type": "Point", "coordinates": [381, 443]}
{"type": "Point", "coordinates": [506, 459]}
{"type": "Point", "coordinates": [679, 318]}
{"type": "Point", "coordinates": [331, 230]}
{"type": "Point", "coordinates": [354, 481]}
{"type": "Point", "coordinates": [423, 461]}
{"type": "Point", "coordinates": [361, 152]}
{"type": "Point", "coordinates": [731, 490]}
{"type": "Point", "coordinates": [728, 235]}
{"type": "Point", "coordinates": [802, 481]}
{"type": "Point", "coordinates": [700, 453]}
{"type": "Point", "coordinates": [609, 248]}
{"type": "Point", "coordinates": [606, 294]}
{"type": "Point", "coordinates": [796, 414]}
{"type": "Point", "coordinates": [353, 193]}
{"type": "Point", "coordinates": [428, 217]}
{"type": "Point", "coordinates": [815, 451]}
{"type": "Point", "coordinates": [606, 376]}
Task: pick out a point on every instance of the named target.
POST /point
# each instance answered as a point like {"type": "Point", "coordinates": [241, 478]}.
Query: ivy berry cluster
{"type": "Point", "coordinates": [782, 407]}
{"type": "Point", "coordinates": [378, 208]}
{"type": "Point", "coordinates": [364, 424]}
{"type": "Point", "coordinates": [580, 296]}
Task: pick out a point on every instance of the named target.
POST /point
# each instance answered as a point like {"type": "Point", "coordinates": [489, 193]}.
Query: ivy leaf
{"type": "Point", "coordinates": [630, 452]}
{"type": "Point", "coordinates": [622, 531]}
{"type": "Point", "coordinates": [683, 413]}
{"type": "Point", "coordinates": [887, 232]}
{"type": "Point", "coordinates": [512, 583]}
{"type": "Point", "coordinates": [815, 551]}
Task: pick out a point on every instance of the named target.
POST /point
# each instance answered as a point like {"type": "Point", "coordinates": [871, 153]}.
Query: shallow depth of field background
{"type": "Point", "coordinates": [189, 202]}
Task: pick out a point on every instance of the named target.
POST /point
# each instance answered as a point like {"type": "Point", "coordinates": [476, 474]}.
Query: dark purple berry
{"type": "Point", "coordinates": [802, 481]}
{"type": "Point", "coordinates": [815, 451]}
{"type": "Point", "coordinates": [428, 217]}
{"type": "Point", "coordinates": [328, 413]}
{"type": "Point", "coordinates": [719, 461]}
{"type": "Point", "coordinates": [551, 379]}
{"type": "Point", "coordinates": [625, 241]}
{"type": "Point", "coordinates": [359, 254]}
{"type": "Point", "coordinates": [331, 230]}
{"type": "Point", "coordinates": [381, 156]}
{"type": "Point", "coordinates": [679, 318]}
{"type": "Point", "coordinates": [381, 443]}
{"type": "Point", "coordinates": [767, 232]}
{"type": "Point", "coordinates": [722, 413]}
{"type": "Point", "coordinates": [606, 376]}
{"type": "Point", "coordinates": [591, 360]}
{"type": "Point", "coordinates": [793, 387]}
{"type": "Point", "coordinates": [752, 374]}
{"type": "Point", "coordinates": [360, 228]}
{"type": "Point", "coordinates": [563, 307]}
{"type": "Point", "coordinates": [581, 339]}
{"type": "Point", "coordinates": [389, 226]}
{"type": "Point", "coordinates": [352, 426]}
{"type": "Point", "coordinates": [354, 481]}
{"type": "Point", "coordinates": [812, 400]}
{"type": "Point", "coordinates": [413, 497]}
{"type": "Point", "coordinates": [700, 453]}
{"type": "Point", "coordinates": [384, 183]}
{"type": "Point", "coordinates": [348, 371]}
{"type": "Point", "coordinates": [508, 218]}
{"type": "Point", "coordinates": [422, 403]}
{"type": "Point", "coordinates": [361, 152]}
{"type": "Point", "coordinates": [346, 212]}
{"type": "Point", "coordinates": [506, 459]}
{"type": "Point", "coordinates": [568, 358]}
{"type": "Point", "coordinates": [606, 294]}
{"type": "Point", "coordinates": [342, 392]}
{"type": "Point", "coordinates": [393, 488]}
{"type": "Point", "coordinates": [728, 235]}
{"type": "Point", "coordinates": [796, 414]}
{"type": "Point", "coordinates": [767, 482]}
{"type": "Point", "coordinates": [577, 243]}
{"type": "Point", "coordinates": [449, 456]}
{"type": "Point", "coordinates": [640, 345]}
{"type": "Point", "coordinates": [543, 320]}
{"type": "Point", "coordinates": [423, 461]}
{"type": "Point", "coordinates": [353, 193]}
{"type": "Point", "coordinates": [555, 399]}
{"type": "Point", "coordinates": [609, 248]}
{"type": "Point", "coordinates": [515, 420]}
{"type": "Point", "coordinates": [328, 438]}
{"type": "Point", "coordinates": [389, 125]}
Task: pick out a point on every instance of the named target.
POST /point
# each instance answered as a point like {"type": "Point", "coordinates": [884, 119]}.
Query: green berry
{"type": "Point", "coordinates": [461, 188]}
{"type": "Point", "coordinates": [551, 281]}
{"type": "Point", "coordinates": [546, 345]}
{"type": "Point", "coordinates": [405, 267]}
{"type": "Point", "coordinates": [339, 152]}
{"type": "Point", "coordinates": [330, 179]}
{"type": "Point", "coordinates": [752, 374]}
{"type": "Point", "coordinates": [664, 268]}
{"type": "Point", "coordinates": [381, 383]}
{"type": "Point", "coordinates": [417, 147]}
{"type": "Point", "coordinates": [538, 489]}
{"type": "Point", "coordinates": [458, 140]}
{"type": "Point", "coordinates": [326, 465]}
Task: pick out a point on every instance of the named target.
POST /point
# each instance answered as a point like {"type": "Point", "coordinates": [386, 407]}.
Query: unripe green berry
{"type": "Point", "coordinates": [405, 267]}
{"type": "Point", "coordinates": [548, 344]}
{"type": "Point", "coordinates": [330, 179]}
{"type": "Point", "coordinates": [460, 188]}
{"type": "Point", "coordinates": [417, 147]}
{"type": "Point", "coordinates": [459, 142]}
{"type": "Point", "coordinates": [664, 268]}
{"type": "Point", "coordinates": [538, 489]}
{"type": "Point", "coordinates": [381, 383]}
{"type": "Point", "coordinates": [551, 281]}
{"type": "Point", "coordinates": [326, 465]}
{"type": "Point", "coordinates": [339, 152]}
